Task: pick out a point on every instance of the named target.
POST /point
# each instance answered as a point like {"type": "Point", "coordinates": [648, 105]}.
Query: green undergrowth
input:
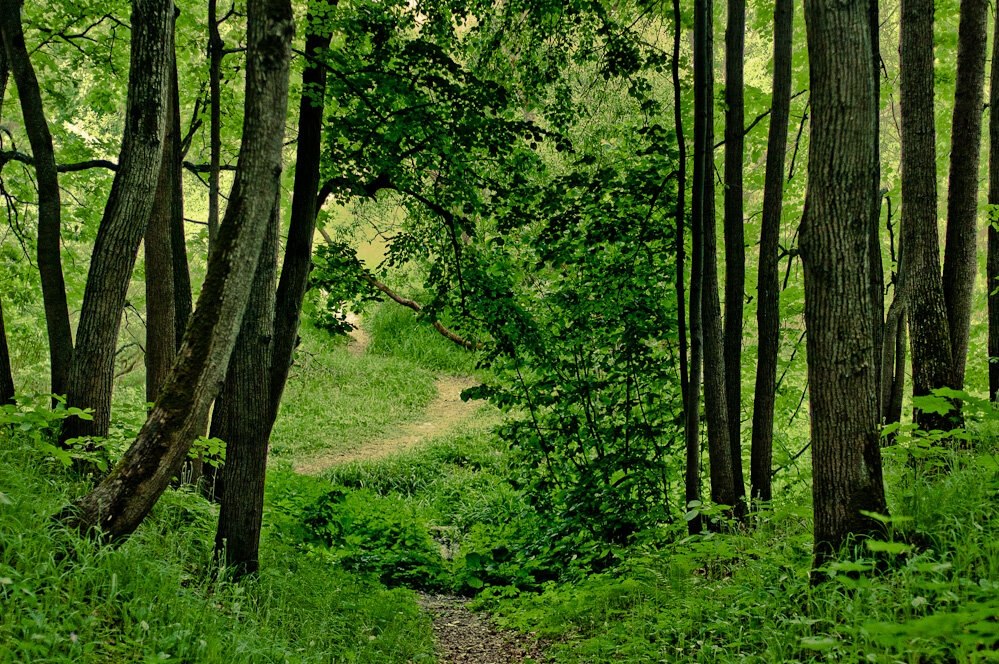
{"type": "Point", "coordinates": [336, 401]}
{"type": "Point", "coordinates": [158, 598]}
{"type": "Point", "coordinates": [398, 332]}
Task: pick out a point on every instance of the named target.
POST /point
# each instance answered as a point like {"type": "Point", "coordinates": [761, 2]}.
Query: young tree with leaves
{"type": "Point", "coordinates": [846, 456]}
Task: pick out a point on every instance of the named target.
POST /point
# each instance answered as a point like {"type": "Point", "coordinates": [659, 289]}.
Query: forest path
{"type": "Point", "coordinates": [461, 635]}
{"type": "Point", "coordinates": [464, 637]}
{"type": "Point", "coordinates": [446, 412]}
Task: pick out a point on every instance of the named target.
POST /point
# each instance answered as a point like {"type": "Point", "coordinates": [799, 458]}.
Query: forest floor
{"type": "Point", "coordinates": [461, 635]}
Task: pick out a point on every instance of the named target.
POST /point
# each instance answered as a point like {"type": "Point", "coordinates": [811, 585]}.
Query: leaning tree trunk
{"type": "Point", "coordinates": [49, 208]}
{"type": "Point", "coordinates": [768, 283]}
{"type": "Point", "coordinates": [161, 312]}
{"type": "Point", "coordinates": [719, 449]}
{"type": "Point", "coordinates": [215, 46]}
{"type": "Point", "coordinates": [961, 251]}
{"type": "Point", "coordinates": [846, 457]}
{"type": "Point", "coordinates": [690, 373]}
{"type": "Point", "coordinates": [247, 428]}
{"type": "Point", "coordinates": [6, 377]}
{"type": "Point", "coordinates": [121, 501]}
{"type": "Point", "coordinates": [992, 264]}
{"type": "Point", "coordinates": [923, 287]}
{"type": "Point", "coordinates": [735, 243]}
{"type": "Point", "coordinates": [298, 250]}
{"type": "Point", "coordinates": [126, 216]}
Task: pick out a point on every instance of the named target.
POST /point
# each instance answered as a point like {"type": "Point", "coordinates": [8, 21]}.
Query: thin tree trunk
{"type": "Point", "coordinates": [298, 250]}
{"type": "Point", "coordinates": [215, 46]}
{"type": "Point", "coordinates": [121, 501]}
{"type": "Point", "coordinates": [735, 243]}
{"type": "Point", "coordinates": [57, 324]}
{"type": "Point", "coordinates": [835, 246]}
{"type": "Point", "coordinates": [689, 373]}
{"type": "Point", "coordinates": [992, 264]}
{"type": "Point", "coordinates": [247, 429]}
{"type": "Point", "coordinates": [768, 286]}
{"type": "Point", "coordinates": [877, 276]}
{"type": "Point", "coordinates": [161, 321]}
{"type": "Point", "coordinates": [922, 286]}
{"type": "Point", "coordinates": [126, 217]}
{"type": "Point", "coordinates": [719, 449]}
{"type": "Point", "coordinates": [6, 377]}
{"type": "Point", "coordinates": [178, 241]}
{"type": "Point", "coordinates": [961, 252]}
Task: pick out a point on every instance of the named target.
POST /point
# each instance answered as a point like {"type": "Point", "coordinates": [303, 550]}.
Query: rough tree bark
{"type": "Point", "coordinates": [49, 207]}
{"type": "Point", "coordinates": [961, 251]}
{"type": "Point", "coordinates": [247, 431]}
{"type": "Point", "coordinates": [126, 216]}
{"type": "Point", "coordinates": [161, 313]}
{"type": "Point", "coordinates": [719, 449]}
{"type": "Point", "coordinates": [876, 276]}
{"type": "Point", "coordinates": [121, 501]}
{"type": "Point", "coordinates": [992, 264]}
{"type": "Point", "coordinates": [846, 457]}
{"type": "Point", "coordinates": [690, 373]}
{"type": "Point", "coordinates": [923, 288]}
{"type": "Point", "coordinates": [768, 283]}
{"type": "Point", "coordinates": [735, 243]}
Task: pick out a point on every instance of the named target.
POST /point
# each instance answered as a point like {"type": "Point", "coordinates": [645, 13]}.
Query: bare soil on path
{"type": "Point", "coordinates": [464, 637]}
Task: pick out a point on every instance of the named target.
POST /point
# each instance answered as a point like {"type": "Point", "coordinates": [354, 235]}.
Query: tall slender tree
{"type": "Point", "coordinates": [49, 207]}
{"type": "Point", "coordinates": [735, 243]}
{"type": "Point", "coordinates": [846, 458]}
{"type": "Point", "coordinates": [690, 372]}
{"type": "Point", "coordinates": [992, 262]}
{"type": "Point", "coordinates": [716, 411]}
{"type": "Point", "coordinates": [122, 500]}
{"type": "Point", "coordinates": [125, 219]}
{"type": "Point", "coordinates": [768, 282]}
{"type": "Point", "coordinates": [961, 252]}
{"type": "Point", "coordinates": [924, 297]}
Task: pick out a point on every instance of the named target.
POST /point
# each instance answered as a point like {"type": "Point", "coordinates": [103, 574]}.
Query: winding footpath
{"type": "Point", "coordinates": [461, 636]}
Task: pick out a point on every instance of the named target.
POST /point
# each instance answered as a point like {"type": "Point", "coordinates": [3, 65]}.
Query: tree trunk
{"type": "Point", "coordinates": [877, 276]}
{"type": "Point", "coordinates": [215, 46]}
{"type": "Point", "coordinates": [49, 207]}
{"type": "Point", "coordinates": [735, 244]}
{"type": "Point", "coordinates": [6, 377]}
{"type": "Point", "coordinates": [961, 252]}
{"type": "Point", "coordinates": [835, 233]}
{"type": "Point", "coordinates": [992, 264]}
{"type": "Point", "coordinates": [161, 319]}
{"type": "Point", "coordinates": [126, 216]}
{"type": "Point", "coordinates": [246, 429]}
{"type": "Point", "coordinates": [178, 240]}
{"type": "Point", "coordinates": [768, 286]}
{"type": "Point", "coordinates": [690, 373]}
{"type": "Point", "coordinates": [121, 501]}
{"type": "Point", "coordinates": [719, 449]}
{"type": "Point", "coordinates": [298, 250]}
{"type": "Point", "coordinates": [923, 288]}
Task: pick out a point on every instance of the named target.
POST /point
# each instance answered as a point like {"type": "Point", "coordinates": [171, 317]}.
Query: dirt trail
{"type": "Point", "coordinates": [445, 412]}
{"type": "Point", "coordinates": [464, 637]}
